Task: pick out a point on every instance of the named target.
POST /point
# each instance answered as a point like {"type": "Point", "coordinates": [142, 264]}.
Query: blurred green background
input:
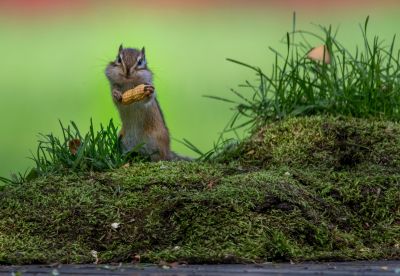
{"type": "Point", "coordinates": [53, 63]}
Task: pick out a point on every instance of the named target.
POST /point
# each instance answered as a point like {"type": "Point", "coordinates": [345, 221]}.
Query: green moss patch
{"type": "Point", "coordinates": [304, 189]}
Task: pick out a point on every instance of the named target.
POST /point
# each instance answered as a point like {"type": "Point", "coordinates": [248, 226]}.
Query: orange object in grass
{"type": "Point", "coordinates": [320, 53]}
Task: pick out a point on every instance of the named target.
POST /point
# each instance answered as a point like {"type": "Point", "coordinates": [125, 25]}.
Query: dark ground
{"type": "Point", "coordinates": [331, 268]}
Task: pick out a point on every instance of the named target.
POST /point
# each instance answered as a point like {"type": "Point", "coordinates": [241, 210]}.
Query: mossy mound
{"type": "Point", "coordinates": [326, 143]}
{"type": "Point", "coordinates": [304, 189]}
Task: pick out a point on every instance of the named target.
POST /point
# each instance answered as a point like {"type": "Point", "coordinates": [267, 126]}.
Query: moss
{"type": "Point", "coordinates": [326, 142]}
{"type": "Point", "coordinates": [304, 189]}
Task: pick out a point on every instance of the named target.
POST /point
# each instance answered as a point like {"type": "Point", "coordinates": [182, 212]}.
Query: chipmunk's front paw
{"type": "Point", "coordinates": [117, 95]}
{"type": "Point", "coordinates": [149, 89]}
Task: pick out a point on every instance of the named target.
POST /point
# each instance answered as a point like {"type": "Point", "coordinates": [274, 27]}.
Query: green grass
{"type": "Point", "coordinates": [361, 82]}
{"type": "Point", "coordinates": [312, 188]}
{"type": "Point", "coordinates": [97, 150]}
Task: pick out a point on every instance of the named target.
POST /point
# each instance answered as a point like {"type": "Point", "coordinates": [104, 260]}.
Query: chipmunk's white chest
{"type": "Point", "coordinates": [133, 122]}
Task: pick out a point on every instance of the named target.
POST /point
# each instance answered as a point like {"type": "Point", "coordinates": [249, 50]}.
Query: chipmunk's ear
{"type": "Point", "coordinates": [118, 59]}
{"type": "Point", "coordinates": [141, 61]}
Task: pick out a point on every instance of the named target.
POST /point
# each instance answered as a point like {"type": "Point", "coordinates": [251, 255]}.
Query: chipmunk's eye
{"type": "Point", "coordinates": [119, 60]}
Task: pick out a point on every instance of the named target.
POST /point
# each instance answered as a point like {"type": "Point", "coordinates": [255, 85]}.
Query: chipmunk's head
{"type": "Point", "coordinates": [129, 67]}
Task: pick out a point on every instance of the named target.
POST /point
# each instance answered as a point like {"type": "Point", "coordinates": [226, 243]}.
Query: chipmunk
{"type": "Point", "coordinates": [142, 122]}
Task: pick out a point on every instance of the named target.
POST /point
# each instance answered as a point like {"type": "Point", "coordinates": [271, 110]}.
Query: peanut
{"type": "Point", "coordinates": [137, 94]}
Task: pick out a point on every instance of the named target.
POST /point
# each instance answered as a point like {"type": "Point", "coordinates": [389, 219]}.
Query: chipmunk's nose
{"type": "Point", "coordinates": [127, 72]}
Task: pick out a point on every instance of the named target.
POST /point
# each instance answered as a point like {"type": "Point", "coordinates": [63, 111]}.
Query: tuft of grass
{"type": "Point", "coordinates": [363, 83]}
{"type": "Point", "coordinates": [16, 178]}
{"type": "Point", "coordinates": [221, 151]}
{"type": "Point", "coordinates": [98, 150]}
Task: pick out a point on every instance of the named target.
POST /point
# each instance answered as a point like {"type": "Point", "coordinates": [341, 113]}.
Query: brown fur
{"type": "Point", "coordinates": [142, 121]}
{"type": "Point", "coordinates": [154, 126]}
